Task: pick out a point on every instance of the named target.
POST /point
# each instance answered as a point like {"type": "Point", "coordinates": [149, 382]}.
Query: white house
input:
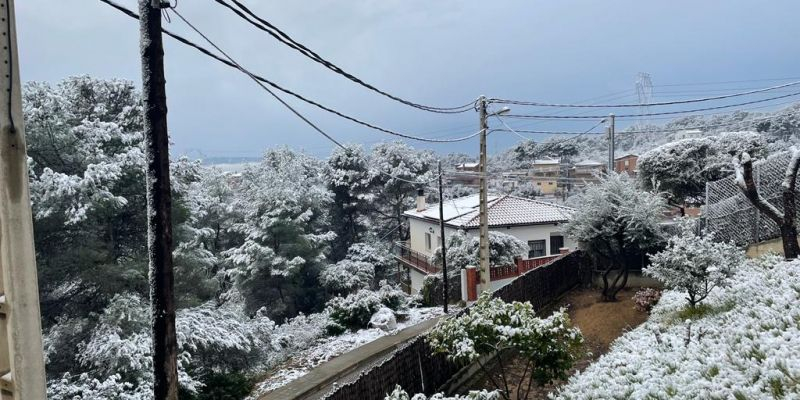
{"type": "Point", "coordinates": [535, 222]}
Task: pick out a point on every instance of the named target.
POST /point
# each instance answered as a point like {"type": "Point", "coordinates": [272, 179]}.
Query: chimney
{"type": "Point", "coordinates": [421, 200]}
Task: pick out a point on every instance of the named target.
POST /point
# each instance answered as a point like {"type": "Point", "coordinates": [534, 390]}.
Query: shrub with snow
{"type": "Point", "coordinates": [355, 310]}
{"type": "Point", "coordinates": [550, 345]}
{"type": "Point", "coordinates": [745, 345]}
{"type": "Point", "coordinates": [646, 298]}
{"type": "Point", "coordinates": [392, 296]}
{"type": "Point", "coordinates": [694, 264]}
{"type": "Point", "coordinates": [399, 394]}
{"type": "Point", "coordinates": [346, 276]}
{"type": "Point", "coordinates": [463, 250]}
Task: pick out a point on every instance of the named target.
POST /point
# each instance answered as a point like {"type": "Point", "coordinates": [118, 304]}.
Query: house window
{"type": "Point", "coordinates": [428, 241]}
{"type": "Point", "coordinates": [538, 183]}
{"type": "Point", "coordinates": [536, 248]}
{"type": "Point", "coordinates": [556, 242]}
{"type": "Point", "coordinates": [627, 163]}
{"type": "Point", "coordinates": [550, 183]}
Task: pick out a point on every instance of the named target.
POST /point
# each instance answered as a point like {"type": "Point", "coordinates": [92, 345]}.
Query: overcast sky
{"type": "Point", "coordinates": [441, 53]}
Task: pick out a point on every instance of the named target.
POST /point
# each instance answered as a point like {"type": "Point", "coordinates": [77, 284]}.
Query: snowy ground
{"type": "Point", "coordinates": [745, 345]}
{"type": "Point", "coordinates": [330, 347]}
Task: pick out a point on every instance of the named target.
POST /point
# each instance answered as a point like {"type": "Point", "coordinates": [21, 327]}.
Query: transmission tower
{"type": "Point", "coordinates": [644, 90]}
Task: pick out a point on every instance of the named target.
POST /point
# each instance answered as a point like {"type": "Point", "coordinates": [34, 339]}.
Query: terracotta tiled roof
{"type": "Point", "coordinates": [503, 211]}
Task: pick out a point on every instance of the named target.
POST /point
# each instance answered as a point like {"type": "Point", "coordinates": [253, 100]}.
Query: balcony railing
{"type": "Point", "coordinates": [419, 261]}
{"type": "Point", "coordinates": [414, 258]}
{"type": "Point", "coordinates": [521, 266]}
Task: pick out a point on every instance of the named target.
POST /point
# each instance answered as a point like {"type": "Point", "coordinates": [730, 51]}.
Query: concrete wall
{"type": "Point", "coordinates": [769, 246]}
{"type": "Point", "coordinates": [417, 280]}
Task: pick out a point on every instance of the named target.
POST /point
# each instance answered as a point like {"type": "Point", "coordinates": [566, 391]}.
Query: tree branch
{"type": "Point", "coordinates": [744, 178]}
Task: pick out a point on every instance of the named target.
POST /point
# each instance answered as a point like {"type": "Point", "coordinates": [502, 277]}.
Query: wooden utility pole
{"type": "Point", "coordinates": [159, 202]}
{"type": "Point", "coordinates": [21, 357]}
{"type": "Point", "coordinates": [441, 233]}
{"type": "Point", "coordinates": [485, 279]}
{"type": "Point", "coordinates": [611, 143]}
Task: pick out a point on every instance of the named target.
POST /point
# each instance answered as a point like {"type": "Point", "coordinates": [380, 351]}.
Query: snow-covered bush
{"type": "Point", "coordinates": [355, 310]}
{"type": "Point", "coordinates": [551, 345]}
{"type": "Point", "coordinates": [347, 275]}
{"type": "Point", "coordinates": [745, 346]}
{"type": "Point", "coordinates": [83, 387]}
{"type": "Point", "coordinates": [694, 264]}
{"type": "Point", "coordinates": [463, 250]}
{"type": "Point", "coordinates": [645, 299]}
{"type": "Point", "coordinates": [392, 296]}
{"type": "Point", "coordinates": [399, 394]}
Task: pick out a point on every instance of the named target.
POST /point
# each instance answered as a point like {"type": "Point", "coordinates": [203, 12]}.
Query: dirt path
{"type": "Point", "coordinates": [600, 324]}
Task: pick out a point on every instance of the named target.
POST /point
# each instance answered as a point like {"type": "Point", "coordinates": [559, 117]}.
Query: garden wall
{"type": "Point", "coordinates": [417, 371]}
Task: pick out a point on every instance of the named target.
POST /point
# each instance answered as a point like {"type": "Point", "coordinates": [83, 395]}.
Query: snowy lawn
{"type": "Point", "coordinates": [743, 342]}
{"type": "Point", "coordinates": [327, 348]}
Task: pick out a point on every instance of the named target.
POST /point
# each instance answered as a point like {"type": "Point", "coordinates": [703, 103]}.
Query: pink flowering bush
{"type": "Point", "coordinates": [646, 298]}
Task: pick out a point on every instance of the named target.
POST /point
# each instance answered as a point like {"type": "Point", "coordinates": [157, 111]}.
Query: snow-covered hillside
{"type": "Point", "coordinates": [744, 343]}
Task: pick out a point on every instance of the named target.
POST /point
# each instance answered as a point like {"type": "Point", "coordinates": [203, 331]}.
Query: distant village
{"type": "Point", "coordinates": [553, 179]}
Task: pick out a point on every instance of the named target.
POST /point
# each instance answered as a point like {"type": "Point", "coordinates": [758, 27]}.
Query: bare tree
{"type": "Point", "coordinates": [786, 220]}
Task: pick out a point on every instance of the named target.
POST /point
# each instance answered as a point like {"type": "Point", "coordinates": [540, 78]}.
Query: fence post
{"type": "Point", "coordinates": [757, 228]}
{"type": "Point", "coordinates": [471, 283]}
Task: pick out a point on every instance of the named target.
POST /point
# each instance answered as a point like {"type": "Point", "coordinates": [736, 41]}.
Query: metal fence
{"type": "Point", "coordinates": [731, 216]}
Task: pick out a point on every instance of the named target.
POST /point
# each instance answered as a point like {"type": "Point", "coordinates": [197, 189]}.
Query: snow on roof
{"type": "Point", "coordinates": [467, 165]}
{"type": "Point", "coordinates": [546, 162]}
{"type": "Point", "coordinates": [503, 211]}
{"type": "Point", "coordinates": [588, 163]}
{"type": "Point", "coordinates": [626, 156]}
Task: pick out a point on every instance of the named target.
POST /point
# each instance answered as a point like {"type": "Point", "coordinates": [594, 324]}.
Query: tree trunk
{"type": "Point", "coordinates": [791, 250]}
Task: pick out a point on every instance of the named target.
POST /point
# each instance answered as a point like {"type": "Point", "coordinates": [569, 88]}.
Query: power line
{"type": "Point", "coordinates": [520, 116]}
{"type": "Point", "coordinates": [259, 78]}
{"type": "Point", "coordinates": [553, 142]}
{"type": "Point", "coordinates": [264, 25]}
{"type": "Point", "coordinates": [662, 103]}
{"type": "Point", "coordinates": [285, 104]}
{"type": "Point", "coordinates": [726, 82]}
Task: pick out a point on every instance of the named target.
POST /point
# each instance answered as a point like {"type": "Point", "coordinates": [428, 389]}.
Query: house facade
{"type": "Point", "coordinates": [466, 174]}
{"type": "Point", "coordinates": [545, 174]}
{"type": "Point", "coordinates": [587, 171]}
{"type": "Point", "coordinates": [537, 223]}
{"type": "Point", "coordinates": [626, 164]}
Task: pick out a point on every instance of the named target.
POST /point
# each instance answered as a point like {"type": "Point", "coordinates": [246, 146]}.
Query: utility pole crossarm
{"type": "Point", "coordinates": [21, 358]}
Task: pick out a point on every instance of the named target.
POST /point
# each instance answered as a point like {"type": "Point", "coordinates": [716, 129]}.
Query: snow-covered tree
{"type": "Point", "coordinates": [285, 233]}
{"type": "Point", "coordinates": [785, 219]}
{"type": "Point", "coordinates": [549, 346]}
{"type": "Point", "coordinates": [694, 263]}
{"type": "Point", "coordinates": [347, 275]}
{"type": "Point", "coordinates": [395, 166]}
{"type": "Point", "coordinates": [349, 179]}
{"type": "Point", "coordinates": [463, 250]}
{"type": "Point", "coordinates": [530, 150]}
{"type": "Point", "coordinates": [682, 168]}
{"type": "Point", "coordinates": [616, 224]}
